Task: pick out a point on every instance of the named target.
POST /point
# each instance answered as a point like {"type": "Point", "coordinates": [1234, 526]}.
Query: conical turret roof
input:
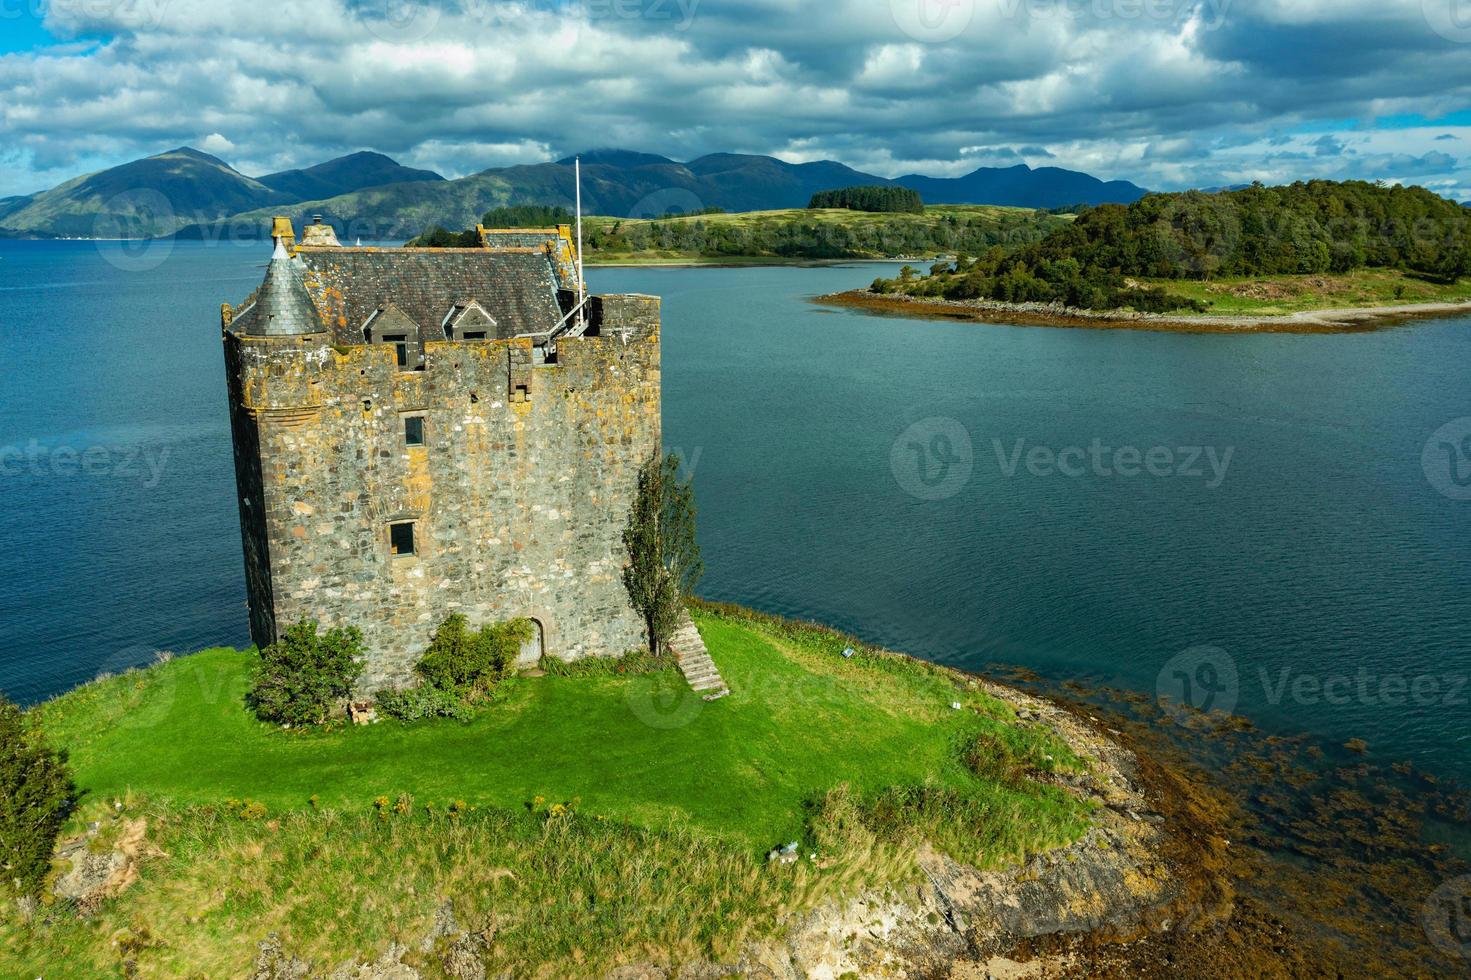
{"type": "Point", "coordinates": [282, 306]}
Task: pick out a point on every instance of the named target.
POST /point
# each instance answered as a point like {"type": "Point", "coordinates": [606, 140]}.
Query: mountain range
{"type": "Point", "coordinates": [368, 195]}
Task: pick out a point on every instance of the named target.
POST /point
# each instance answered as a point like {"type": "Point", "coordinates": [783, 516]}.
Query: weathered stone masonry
{"type": "Point", "coordinates": [518, 496]}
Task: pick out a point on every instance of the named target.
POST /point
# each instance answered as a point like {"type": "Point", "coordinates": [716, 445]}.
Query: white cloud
{"type": "Point", "coordinates": [1192, 93]}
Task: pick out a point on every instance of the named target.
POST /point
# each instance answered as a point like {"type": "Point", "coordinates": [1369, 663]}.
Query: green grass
{"type": "Point", "coordinates": [586, 820]}
{"type": "Point", "coordinates": [799, 722]}
{"type": "Point", "coordinates": [1283, 295]}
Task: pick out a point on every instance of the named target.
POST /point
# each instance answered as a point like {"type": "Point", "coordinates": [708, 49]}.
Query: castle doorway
{"type": "Point", "coordinates": [533, 648]}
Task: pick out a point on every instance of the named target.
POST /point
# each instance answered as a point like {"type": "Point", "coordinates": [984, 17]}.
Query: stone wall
{"type": "Point", "coordinates": [519, 496]}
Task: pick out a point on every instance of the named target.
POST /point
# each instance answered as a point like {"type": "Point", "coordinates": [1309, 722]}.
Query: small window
{"type": "Point", "coordinates": [414, 430]}
{"type": "Point", "coordinates": [400, 344]}
{"type": "Point", "coordinates": [401, 539]}
{"type": "Point", "coordinates": [475, 335]}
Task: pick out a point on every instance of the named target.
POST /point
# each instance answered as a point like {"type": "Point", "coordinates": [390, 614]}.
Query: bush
{"type": "Point", "coordinates": [36, 797]}
{"type": "Point", "coordinates": [461, 668]}
{"type": "Point", "coordinates": [424, 701]}
{"type": "Point", "coordinates": [302, 674]}
{"type": "Point", "coordinates": [470, 662]}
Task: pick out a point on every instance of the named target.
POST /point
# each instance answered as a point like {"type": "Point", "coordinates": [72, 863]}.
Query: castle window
{"type": "Point", "coordinates": [475, 335]}
{"type": "Point", "coordinates": [400, 344]}
{"type": "Point", "coordinates": [413, 430]}
{"type": "Point", "coordinates": [401, 539]}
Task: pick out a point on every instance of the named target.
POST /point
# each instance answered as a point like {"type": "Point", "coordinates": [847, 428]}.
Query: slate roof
{"type": "Point", "coordinates": [517, 288]}
{"type": "Point", "coordinates": [282, 305]}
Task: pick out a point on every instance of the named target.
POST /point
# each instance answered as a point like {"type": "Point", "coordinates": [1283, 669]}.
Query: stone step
{"type": "Point", "coordinates": [700, 671]}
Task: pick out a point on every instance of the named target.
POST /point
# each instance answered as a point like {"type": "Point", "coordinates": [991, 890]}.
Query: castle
{"type": "Point", "coordinates": [422, 431]}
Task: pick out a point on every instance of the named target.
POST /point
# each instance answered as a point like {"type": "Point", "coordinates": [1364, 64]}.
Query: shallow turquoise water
{"type": "Point", "coordinates": [1316, 558]}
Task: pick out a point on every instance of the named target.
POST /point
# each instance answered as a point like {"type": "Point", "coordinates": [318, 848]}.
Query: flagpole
{"type": "Point", "coordinates": [581, 285]}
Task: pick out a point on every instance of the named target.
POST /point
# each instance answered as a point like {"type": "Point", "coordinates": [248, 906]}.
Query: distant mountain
{"type": "Point", "coordinates": [626, 183]}
{"type": "Point", "coordinates": [367, 195]}
{"type": "Point", "coordinates": [343, 176]}
{"type": "Point", "coordinates": [1021, 186]}
{"type": "Point", "coordinates": [153, 196]}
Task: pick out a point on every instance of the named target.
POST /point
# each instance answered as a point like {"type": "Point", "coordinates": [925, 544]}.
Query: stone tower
{"type": "Point", "coordinates": [419, 432]}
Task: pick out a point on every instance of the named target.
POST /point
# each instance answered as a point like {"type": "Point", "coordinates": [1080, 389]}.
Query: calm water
{"type": "Point", "coordinates": [851, 469]}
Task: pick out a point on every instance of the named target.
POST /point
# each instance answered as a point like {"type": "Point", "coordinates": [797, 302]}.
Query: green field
{"type": "Point", "coordinates": [801, 721]}
{"type": "Point", "coordinates": [1282, 295]}
{"type": "Point", "coordinates": [594, 815]}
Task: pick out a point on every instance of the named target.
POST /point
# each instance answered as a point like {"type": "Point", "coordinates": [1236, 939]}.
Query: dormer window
{"type": "Point", "coordinates": [390, 325]}
{"type": "Point", "coordinates": [468, 321]}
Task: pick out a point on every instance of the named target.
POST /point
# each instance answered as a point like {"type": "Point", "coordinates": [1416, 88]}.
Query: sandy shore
{"type": "Point", "coordinates": [1046, 315]}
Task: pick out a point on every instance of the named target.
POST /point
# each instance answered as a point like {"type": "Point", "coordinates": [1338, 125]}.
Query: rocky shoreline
{"type": "Point", "coordinates": [1347, 320]}
{"type": "Point", "coordinates": [1214, 850]}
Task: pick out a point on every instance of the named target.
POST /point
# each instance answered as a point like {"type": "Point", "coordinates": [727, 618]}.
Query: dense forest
{"type": "Point", "coordinates": [877, 200]}
{"type": "Point", "coordinates": [1298, 229]}
{"type": "Point", "coordinates": [791, 235]}
{"type": "Point", "coordinates": [779, 234]}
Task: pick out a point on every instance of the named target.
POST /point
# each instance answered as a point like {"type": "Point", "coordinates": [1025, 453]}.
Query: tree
{"type": "Point", "coordinates": [36, 797]}
{"type": "Point", "coordinates": [302, 674]}
{"type": "Point", "coordinates": [664, 561]}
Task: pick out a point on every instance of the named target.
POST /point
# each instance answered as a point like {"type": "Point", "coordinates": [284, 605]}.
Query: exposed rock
{"type": "Point", "coordinates": [389, 966]}
{"type": "Point", "coordinates": [1119, 883]}
{"type": "Point", "coordinates": [95, 876]}
{"type": "Point", "coordinates": [275, 963]}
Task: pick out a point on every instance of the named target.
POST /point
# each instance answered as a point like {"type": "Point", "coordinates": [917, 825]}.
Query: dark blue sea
{"type": "Point", "coordinates": [1278, 525]}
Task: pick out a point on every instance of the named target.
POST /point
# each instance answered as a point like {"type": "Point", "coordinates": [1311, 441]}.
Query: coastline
{"type": "Point", "coordinates": [1347, 320]}
{"type": "Point", "coordinates": [1209, 852]}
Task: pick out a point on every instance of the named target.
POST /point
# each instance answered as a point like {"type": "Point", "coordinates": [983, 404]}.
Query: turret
{"type": "Point", "coordinates": [283, 308]}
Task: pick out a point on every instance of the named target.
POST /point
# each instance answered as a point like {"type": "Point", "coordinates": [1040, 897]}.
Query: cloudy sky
{"type": "Point", "coordinates": [1167, 93]}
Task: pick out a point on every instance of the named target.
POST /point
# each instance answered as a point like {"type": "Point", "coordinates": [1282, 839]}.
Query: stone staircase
{"type": "Point", "coordinates": [694, 661]}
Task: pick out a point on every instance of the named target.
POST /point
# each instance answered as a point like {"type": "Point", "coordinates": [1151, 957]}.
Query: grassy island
{"type": "Point", "coordinates": [1318, 255]}
{"type": "Point", "coordinates": [584, 817]}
